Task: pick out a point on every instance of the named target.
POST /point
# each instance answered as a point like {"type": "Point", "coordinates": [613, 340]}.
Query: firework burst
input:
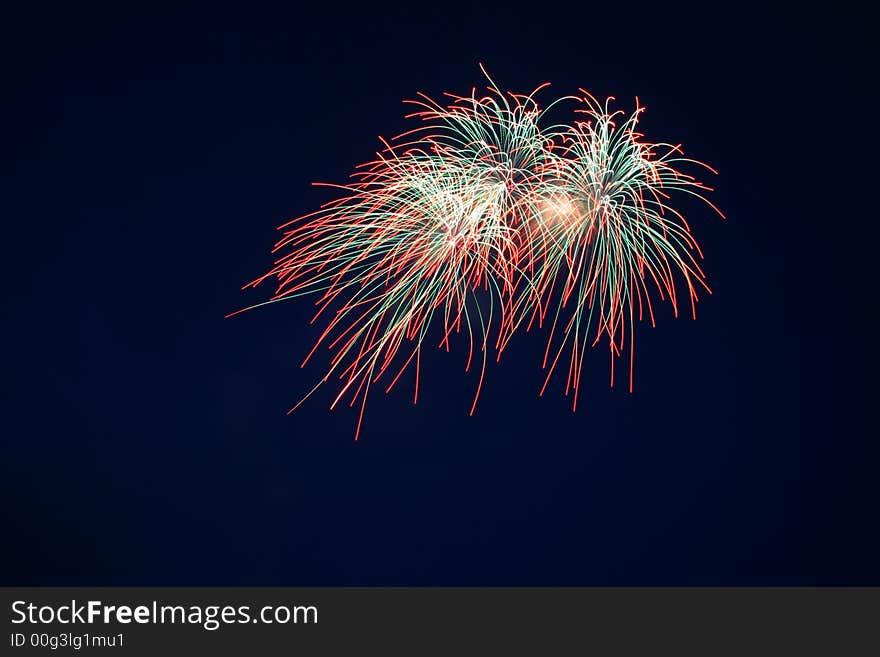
{"type": "Point", "coordinates": [610, 236]}
{"type": "Point", "coordinates": [482, 219]}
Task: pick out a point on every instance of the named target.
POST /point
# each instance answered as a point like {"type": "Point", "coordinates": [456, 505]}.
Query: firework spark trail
{"type": "Point", "coordinates": [567, 225]}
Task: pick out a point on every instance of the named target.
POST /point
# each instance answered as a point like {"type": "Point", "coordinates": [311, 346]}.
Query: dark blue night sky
{"type": "Point", "coordinates": [147, 158]}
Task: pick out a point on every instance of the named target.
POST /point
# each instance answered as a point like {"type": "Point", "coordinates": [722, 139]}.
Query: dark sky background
{"type": "Point", "coordinates": [147, 158]}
